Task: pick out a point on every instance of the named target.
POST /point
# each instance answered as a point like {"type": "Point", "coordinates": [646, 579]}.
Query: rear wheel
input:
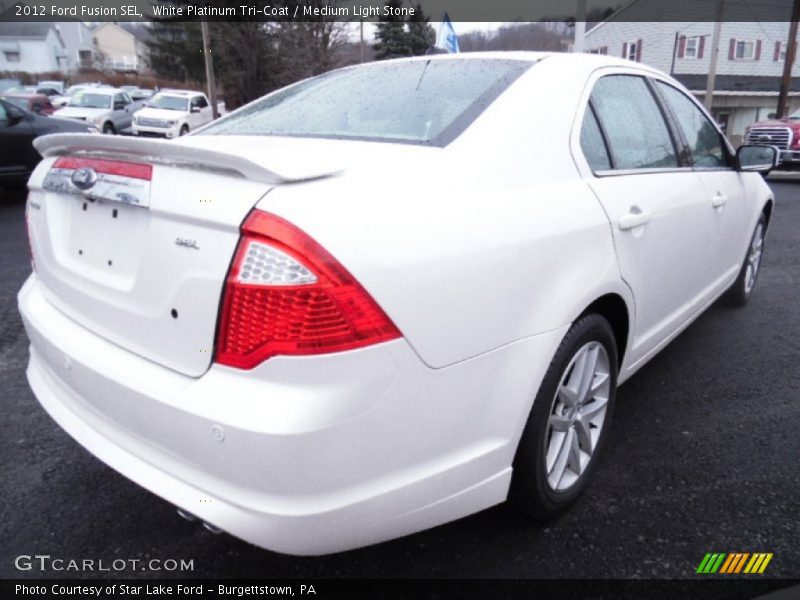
{"type": "Point", "coordinates": [742, 289]}
{"type": "Point", "coordinates": [108, 128]}
{"type": "Point", "coordinates": [567, 426]}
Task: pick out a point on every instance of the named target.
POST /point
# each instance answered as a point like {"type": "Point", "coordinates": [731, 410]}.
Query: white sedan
{"type": "Point", "coordinates": [386, 297]}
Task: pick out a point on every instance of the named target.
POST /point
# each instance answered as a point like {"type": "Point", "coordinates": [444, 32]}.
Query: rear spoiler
{"type": "Point", "coordinates": [174, 154]}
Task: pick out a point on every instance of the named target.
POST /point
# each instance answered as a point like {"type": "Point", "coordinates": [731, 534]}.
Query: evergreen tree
{"type": "Point", "coordinates": [420, 32]}
{"type": "Point", "coordinates": [393, 39]}
{"type": "Point", "coordinates": [176, 50]}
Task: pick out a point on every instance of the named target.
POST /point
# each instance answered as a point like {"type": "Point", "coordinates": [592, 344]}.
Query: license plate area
{"type": "Point", "coordinates": [105, 237]}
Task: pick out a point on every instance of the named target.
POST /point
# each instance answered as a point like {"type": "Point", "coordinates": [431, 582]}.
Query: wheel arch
{"type": "Point", "coordinates": [614, 309]}
{"type": "Point", "coordinates": [767, 210]}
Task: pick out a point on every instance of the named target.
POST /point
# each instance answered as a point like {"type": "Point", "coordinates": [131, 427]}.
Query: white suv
{"type": "Point", "coordinates": [172, 113]}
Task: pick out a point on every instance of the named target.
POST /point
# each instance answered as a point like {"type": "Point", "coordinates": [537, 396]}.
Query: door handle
{"type": "Point", "coordinates": [633, 220]}
{"type": "Point", "coordinates": [719, 201]}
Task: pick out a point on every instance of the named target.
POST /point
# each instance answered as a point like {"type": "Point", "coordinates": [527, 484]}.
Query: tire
{"type": "Point", "coordinates": [741, 291]}
{"type": "Point", "coordinates": [554, 422]}
{"type": "Point", "coordinates": [184, 130]}
{"type": "Point", "coordinates": [108, 129]}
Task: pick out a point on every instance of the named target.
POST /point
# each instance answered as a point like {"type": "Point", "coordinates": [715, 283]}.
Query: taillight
{"type": "Point", "coordinates": [285, 294]}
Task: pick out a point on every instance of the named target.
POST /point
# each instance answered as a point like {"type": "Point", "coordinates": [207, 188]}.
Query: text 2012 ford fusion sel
{"type": "Point", "coordinates": [386, 297]}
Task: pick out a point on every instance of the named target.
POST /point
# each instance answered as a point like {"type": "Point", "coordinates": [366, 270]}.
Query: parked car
{"type": "Point", "coordinates": [35, 103]}
{"type": "Point", "coordinates": [110, 109]}
{"type": "Point", "coordinates": [56, 85]}
{"type": "Point", "coordinates": [18, 129]}
{"type": "Point", "coordinates": [784, 134]}
{"type": "Point", "coordinates": [385, 297]}
{"type": "Point", "coordinates": [63, 100]}
{"type": "Point", "coordinates": [140, 98]}
{"type": "Point", "coordinates": [33, 89]}
{"type": "Point", "coordinates": [172, 113]}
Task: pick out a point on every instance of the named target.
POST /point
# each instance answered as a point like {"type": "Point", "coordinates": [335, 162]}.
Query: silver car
{"type": "Point", "coordinates": [109, 109]}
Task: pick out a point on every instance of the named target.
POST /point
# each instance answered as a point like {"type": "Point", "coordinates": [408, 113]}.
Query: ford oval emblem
{"type": "Point", "coordinates": [84, 178]}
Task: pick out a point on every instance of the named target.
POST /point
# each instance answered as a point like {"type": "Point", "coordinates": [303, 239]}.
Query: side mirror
{"type": "Point", "coordinates": [758, 159]}
{"type": "Point", "coordinates": [119, 106]}
{"type": "Point", "coordinates": [195, 109]}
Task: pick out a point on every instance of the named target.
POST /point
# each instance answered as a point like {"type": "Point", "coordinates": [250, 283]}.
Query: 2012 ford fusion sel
{"type": "Point", "coordinates": [386, 297]}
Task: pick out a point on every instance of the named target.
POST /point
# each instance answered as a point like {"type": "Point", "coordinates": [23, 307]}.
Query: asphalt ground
{"type": "Point", "coordinates": [703, 457]}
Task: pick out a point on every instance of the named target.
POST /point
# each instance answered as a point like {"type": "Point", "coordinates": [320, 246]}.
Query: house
{"type": "Point", "coordinates": [34, 47]}
{"type": "Point", "coordinates": [749, 64]}
{"type": "Point", "coordinates": [123, 48]}
{"type": "Point", "coordinates": [81, 50]}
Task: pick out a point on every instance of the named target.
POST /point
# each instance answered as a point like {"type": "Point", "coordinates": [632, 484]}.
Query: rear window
{"type": "Point", "coordinates": [420, 102]}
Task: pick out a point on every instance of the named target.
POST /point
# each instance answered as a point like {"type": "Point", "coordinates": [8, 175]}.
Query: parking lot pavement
{"type": "Point", "coordinates": [702, 457]}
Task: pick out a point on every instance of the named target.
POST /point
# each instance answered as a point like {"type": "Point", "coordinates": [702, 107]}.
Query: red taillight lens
{"type": "Point", "coordinates": [285, 294]}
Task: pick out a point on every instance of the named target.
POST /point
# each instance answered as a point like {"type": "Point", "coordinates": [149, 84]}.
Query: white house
{"type": "Point", "coordinates": [32, 47]}
{"type": "Point", "coordinates": [749, 64]}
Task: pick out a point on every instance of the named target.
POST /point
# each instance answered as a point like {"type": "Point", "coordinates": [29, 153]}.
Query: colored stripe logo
{"type": "Point", "coordinates": [730, 563]}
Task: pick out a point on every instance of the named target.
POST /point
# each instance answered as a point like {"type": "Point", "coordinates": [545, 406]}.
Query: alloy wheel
{"type": "Point", "coordinates": [754, 258]}
{"type": "Point", "coordinates": [577, 416]}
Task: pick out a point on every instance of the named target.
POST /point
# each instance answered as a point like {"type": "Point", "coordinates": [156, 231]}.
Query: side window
{"type": "Point", "coordinates": [118, 98]}
{"type": "Point", "coordinates": [705, 143]}
{"type": "Point", "coordinates": [637, 135]}
{"type": "Point", "coordinates": [593, 144]}
{"type": "Point", "coordinates": [201, 101]}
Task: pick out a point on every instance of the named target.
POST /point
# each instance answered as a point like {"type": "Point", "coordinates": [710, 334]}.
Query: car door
{"type": "Point", "coordinates": [713, 162]}
{"type": "Point", "coordinates": [655, 203]}
{"type": "Point", "coordinates": [122, 113]}
{"type": "Point", "coordinates": [16, 143]}
{"type": "Point", "coordinates": [205, 115]}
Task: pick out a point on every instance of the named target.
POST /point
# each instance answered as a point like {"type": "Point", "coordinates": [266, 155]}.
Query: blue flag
{"type": "Point", "coordinates": [447, 39]}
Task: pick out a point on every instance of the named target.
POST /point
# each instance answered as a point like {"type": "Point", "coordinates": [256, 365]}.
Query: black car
{"type": "Point", "coordinates": [18, 129]}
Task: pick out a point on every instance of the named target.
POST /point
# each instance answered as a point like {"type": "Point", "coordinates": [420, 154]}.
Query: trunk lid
{"type": "Point", "coordinates": [133, 238]}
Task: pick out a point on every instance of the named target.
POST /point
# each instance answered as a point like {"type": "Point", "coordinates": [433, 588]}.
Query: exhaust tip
{"type": "Point", "coordinates": [212, 528]}
{"type": "Point", "coordinates": [185, 514]}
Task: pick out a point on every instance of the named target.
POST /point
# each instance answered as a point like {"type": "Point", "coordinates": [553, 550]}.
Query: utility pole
{"type": "Point", "coordinates": [788, 62]}
{"type": "Point", "coordinates": [212, 87]}
{"type": "Point", "coordinates": [361, 44]}
{"type": "Point", "coordinates": [580, 27]}
{"type": "Point", "coordinates": [712, 67]}
{"type": "Point", "coordinates": [674, 52]}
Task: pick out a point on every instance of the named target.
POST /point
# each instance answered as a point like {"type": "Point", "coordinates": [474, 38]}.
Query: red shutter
{"type": "Point", "coordinates": [777, 56]}
{"type": "Point", "coordinates": [701, 46]}
{"type": "Point", "coordinates": [758, 49]}
{"type": "Point", "coordinates": [682, 46]}
{"type": "Point", "coordinates": [639, 50]}
{"type": "Point", "coordinates": [732, 49]}
{"type": "Point", "coordinates": [625, 50]}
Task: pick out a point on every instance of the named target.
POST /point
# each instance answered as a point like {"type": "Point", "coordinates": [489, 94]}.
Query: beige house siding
{"type": "Point", "coordinates": [121, 50]}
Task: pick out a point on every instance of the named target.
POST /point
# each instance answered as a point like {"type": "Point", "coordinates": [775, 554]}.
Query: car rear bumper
{"type": "Point", "coordinates": [303, 455]}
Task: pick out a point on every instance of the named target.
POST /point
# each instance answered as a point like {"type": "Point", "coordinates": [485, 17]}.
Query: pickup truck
{"type": "Point", "coordinates": [783, 133]}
